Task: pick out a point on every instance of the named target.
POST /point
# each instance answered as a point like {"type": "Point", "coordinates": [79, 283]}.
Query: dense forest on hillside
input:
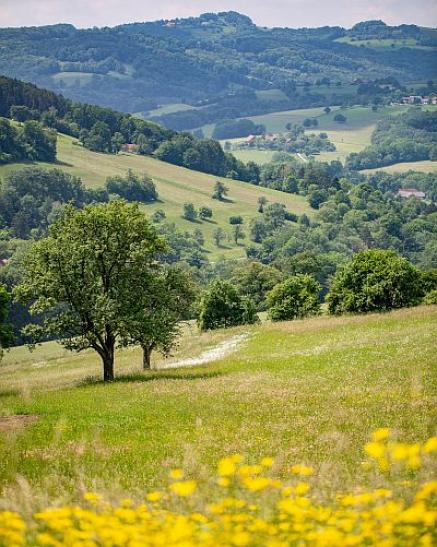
{"type": "Point", "coordinates": [411, 136]}
{"type": "Point", "coordinates": [221, 63]}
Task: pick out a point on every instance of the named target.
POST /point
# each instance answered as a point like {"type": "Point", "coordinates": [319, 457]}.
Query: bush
{"type": "Point", "coordinates": [295, 298]}
{"type": "Point", "coordinates": [221, 307]}
{"type": "Point", "coordinates": [431, 297]}
{"type": "Point", "coordinates": [375, 280]}
{"type": "Point", "coordinates": [132, 187]}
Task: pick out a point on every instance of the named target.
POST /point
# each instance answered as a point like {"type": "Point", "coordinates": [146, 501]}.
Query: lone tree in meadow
{"type": "Point", "coordinates": [190, 212]}
{"type": "Point", "coordinates": [262, 202]}
{"type": "Point", "coordinates": [238, 233]}
{"type": "Point", "coordinates": [220, 191]}
{"type": "Point", "coordinates": [375, 280]}
{"type": "Point", "coordinates": [152, 315]}
{"type": "Point", "coordinates": [295, 298]}
{"type": "Point", "coordinates": [81, 277]}
{"type": "Point", "coordinates": [219, 235]}
{"type": "Point", "coordinates": [222, 306]}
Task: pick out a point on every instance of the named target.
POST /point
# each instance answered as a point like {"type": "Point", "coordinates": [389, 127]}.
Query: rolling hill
{"type": "Point", "coordinates": [222, 60]}
{"type": "Point", "coordinates": [176, 186]}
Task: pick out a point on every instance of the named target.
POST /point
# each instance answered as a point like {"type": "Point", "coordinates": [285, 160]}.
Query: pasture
{"type": "Point", "coordinates": [308, 391]}
{"type": "Point", "coordinates": [176, 186]}
{"type": "Point", "coordinates": [425, 166]}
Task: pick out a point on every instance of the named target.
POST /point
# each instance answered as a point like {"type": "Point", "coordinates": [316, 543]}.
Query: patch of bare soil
{"type": "Point", "coordinates": [14, 423]}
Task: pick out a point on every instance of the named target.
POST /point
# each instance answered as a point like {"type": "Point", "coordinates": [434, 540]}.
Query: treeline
{"type": "Point", "coordinates": [231, 129]}
{"type": "Point", "coordinates": [32, 198]}
{"type": "Point", "coordinates": [104, 130]}
{"type": "Point", "coordinates": [411, 136]}
{"type": "Point", "coordinates": [30, 142]}
{"type": "Point", "coordinates": [206, 155]}
{"type": "Point", "coordinates": [100, 129]}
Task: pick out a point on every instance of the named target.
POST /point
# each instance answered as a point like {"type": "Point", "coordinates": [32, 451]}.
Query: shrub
{"type": "Point", "coordinates": [375, 280]}
{"type": "Point", "coordinates": [431, 297]}
{"type": "Point", "coordinates": [221, 306]}
{"type": "Point", "coordinates": [296, 297]}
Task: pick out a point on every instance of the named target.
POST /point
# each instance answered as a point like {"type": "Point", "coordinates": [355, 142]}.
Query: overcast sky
{"type": "Point", "coordinates": [290, 13]}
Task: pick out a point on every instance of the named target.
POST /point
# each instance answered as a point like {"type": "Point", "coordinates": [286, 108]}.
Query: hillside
{"type": "Point", "coordinates": [306, 391]}
{"type": "Point", "coordinates": [175, 185]}
{"type": "Point", "coordinates": [223, 64]}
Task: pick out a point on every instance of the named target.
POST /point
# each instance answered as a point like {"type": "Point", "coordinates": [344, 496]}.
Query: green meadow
{"type": "Point", "coordinates": [308, 391]}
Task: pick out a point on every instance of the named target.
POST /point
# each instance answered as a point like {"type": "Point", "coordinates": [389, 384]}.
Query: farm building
{"type": "Point", "coordinates": [410, 193]}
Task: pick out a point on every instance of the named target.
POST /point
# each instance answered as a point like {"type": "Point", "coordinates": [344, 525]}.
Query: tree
{"type": "Point", "coordinates": [190, 212]}
{"type": "Point", "coordinates": [205, 213]}
{"type": "Point", "coordinates": [221, 306]}
{"type": "Point", "coordinates": [219, 236]}
{"type": "Point", "coordinates": [262, 202]}
{"type": "Point", "coordinates": [199, 237]}
{"type": "Point", "coordinates": [132, 187]}
{"type": "Point", "coordinates": [374, 280]}
{"type": "Point", "coordinates": [254, 280]}
{"type": "Point", "coordinates": [340, 118]}
{"type": "Point", "coordinates": [79, 279]}
{"type": "Point", "coordinates": [296, 297]}
{"type": "Point", "coordinates": [258, 230]}
{"type": "Point", "coordinates": [152, 316]}
{"type": "Point", "coordinates": [238, 233]}
{"type": "Point", "coordinates": [327, 110]}
{"type": "Point", "coordinates": [220, 191]}
{"type": "Point", "coordinates": [117, 142]}
{"type": "Point", "coordinates": [6, 337]}
{"type": "Point", "coordinates": [237, 219]}
{"type": "Point", "coordinates": [158, 216]}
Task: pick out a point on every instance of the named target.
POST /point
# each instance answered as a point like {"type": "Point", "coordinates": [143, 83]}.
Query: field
{"type": "Point", "coordinates": [175, 186]}
{"type": "Point", "coordinates": [304, 392]}
{"type": "Point", "coordinates": [425, 166]}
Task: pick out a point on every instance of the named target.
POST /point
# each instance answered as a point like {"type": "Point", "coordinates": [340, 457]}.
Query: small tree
{"type": "Point", "coordinates": [152, 316]}
{"type": "Point", "coordinates": [238, 233]}
{"type": "Point", "coordinates": [262, 202]}
{"type": "Point", "coordinates": [117, 142]}
{"type": "Point", "coordinates": [295, 298]}
{"type": "Point", "coordinates": [237, 219]}
{"type": "Point", "coordinates": [79, 278]}
{"type": "Point", "coordinates": [199, 237]}
{"type": "Point", "coordinates": [258, 230]}
{"type": "Point", "coordinates": [219, 236]}
{"type": "Point", "coordinates": [158, 216]}
{"type": "Point", "coordinates": [340, 118]}
{"type": "Point", "coordinates": [220, 191]}
{"type": "Point", "coordinates": [327, 110]}
{"type": "Point", "coordinates": [190, 212]}
{"type": "Point", "coordinates": [205, 213]}
{"type": "Point", "coordinates": [375, 280]}
{"type": "Point", "coordinates": [221, 306]}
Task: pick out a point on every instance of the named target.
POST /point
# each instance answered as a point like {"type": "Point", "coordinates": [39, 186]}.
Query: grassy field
{"type": "Point", "coordinates": [352, 136]}
{"type": "Point", "coordinates": [175, 186]}
{"type": "Point", "coordinates": [305, 392]}
{"type": "Point", "coordinates": [425, 166]}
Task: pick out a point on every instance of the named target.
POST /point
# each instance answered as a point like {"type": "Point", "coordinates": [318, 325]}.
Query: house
{"type": "Point", "coordinates": [129, 147]}
{"type": "Point", "coordinates": [410, 193]}
{"type": "Point", "coordinates": [250, 139]}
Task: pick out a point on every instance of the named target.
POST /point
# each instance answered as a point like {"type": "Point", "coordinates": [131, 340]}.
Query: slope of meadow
{"type": "Point", "coordinates": [306, 391]}
{"type": "Point", "coordinates": [176, 186]}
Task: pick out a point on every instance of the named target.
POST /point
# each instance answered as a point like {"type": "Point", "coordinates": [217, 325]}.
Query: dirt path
{"type": "Point", "coordinates": [213, 354]}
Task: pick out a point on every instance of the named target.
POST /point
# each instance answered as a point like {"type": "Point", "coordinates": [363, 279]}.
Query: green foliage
{"type": "Point", "coordinates": [431, 297]}
{"type": "Point", "coordinates": [205, 213]}
{"type": "Point", "coordinates": [238, 233]}
{"type": "Point", "coordinates": [236, 219]}
{"type": "Point", "coordinates": [374, 280]}
{"type": "Point", "coordinates": [152, 314]}
{"type": "Point", "coordinates": [230, 129]}
{"type": "Point", "coordinates": [340, 118]}
{"type": "Point", "coordinates": [29, 142]}
{"type": "Point", "coordinates": [254, 280]}
{"type": "Point", "coordinates": [221, 306]}
{"type": "Point", "coordinates": [6, 338]}
{"type": "Point", "coordinates": [83, 275]}
{"type": "Point", "coordinates": [220, 191]}
{"type": "Point", "coordinates": [132, 187]}
{"type": "Point", "coordinates": [190, 212]}
{"type": "Point", "coordinates": [219, 236]}
{"type": "Point", "coordinates": [295, 298]}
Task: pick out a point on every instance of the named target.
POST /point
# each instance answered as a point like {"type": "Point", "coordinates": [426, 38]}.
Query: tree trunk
{"type": "Point", "coordinates": [147, 353]}
{"type": "Point", "coordinates": [108, 367]}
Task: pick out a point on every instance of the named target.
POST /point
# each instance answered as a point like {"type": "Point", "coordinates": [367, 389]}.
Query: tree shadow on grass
{"type": "Point", "coordinates": [149, 376]}
{"type": "Point", "coordinates": [9, 393]}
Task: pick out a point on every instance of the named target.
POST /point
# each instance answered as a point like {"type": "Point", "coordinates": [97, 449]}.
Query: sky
{"type": "Point", "coordinates": [270, 13]}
